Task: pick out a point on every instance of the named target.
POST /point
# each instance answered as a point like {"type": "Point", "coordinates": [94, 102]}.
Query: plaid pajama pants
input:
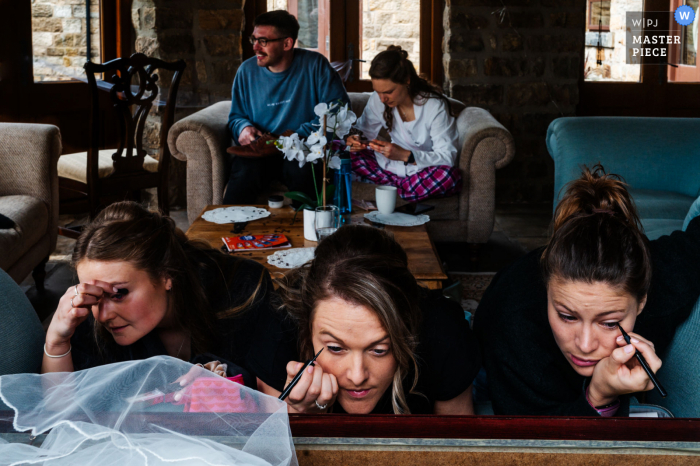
{"type": "Point", "coordinates": [431, 182]}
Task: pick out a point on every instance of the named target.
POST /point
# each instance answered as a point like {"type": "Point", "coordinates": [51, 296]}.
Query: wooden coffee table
{"type": "Point", "coordinates": [422, 257]}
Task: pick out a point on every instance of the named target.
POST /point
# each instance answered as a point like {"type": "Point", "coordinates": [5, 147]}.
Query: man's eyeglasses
{"type": "Point", "coordinates": [262, 40]}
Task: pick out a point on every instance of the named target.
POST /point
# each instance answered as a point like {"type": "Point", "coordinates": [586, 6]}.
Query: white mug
{"type": "Point", "coordinates": [386, 199]}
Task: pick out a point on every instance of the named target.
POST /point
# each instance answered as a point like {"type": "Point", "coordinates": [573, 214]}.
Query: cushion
{"type": "Point", "coordinates": [74, 166]}
{"type": "Point", "coordinates": [655, 228]}
{"type": "Point", "coordinates": [661, 204]}
{"type": "Point", "coordinates": [680, 372]}
{"type": "Point", "coordinates": [31, 216]}
{"type": "Point", "coordinates": [692, 213]}
{"type": "Point", "coordinates": [21, 334]}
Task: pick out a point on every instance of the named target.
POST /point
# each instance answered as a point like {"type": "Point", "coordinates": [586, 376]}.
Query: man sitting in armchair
{"type": "Point", "coordinates": [273, 92]}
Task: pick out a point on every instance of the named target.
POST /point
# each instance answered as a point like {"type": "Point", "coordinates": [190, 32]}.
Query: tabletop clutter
{"type": "Point", "coordinates": [326, 220]}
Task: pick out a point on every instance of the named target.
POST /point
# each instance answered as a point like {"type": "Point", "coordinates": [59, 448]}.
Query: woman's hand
{"type": "Point", "coordinates": [621, 372]}
{"type": "Point", "coordinates": [390, 150]}
{"type": "Point", "coordinates": [314, 389]}
{"type": "Point", "coordinates": [216, 367]}
{"type": "Point", "coordinates": [73, 308]}
{"type": "Point", "coordinates": [354, 143]}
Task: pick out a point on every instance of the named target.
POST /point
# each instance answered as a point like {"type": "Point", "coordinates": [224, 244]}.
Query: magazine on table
{"type": "Point", "coordinates": [255, 242]}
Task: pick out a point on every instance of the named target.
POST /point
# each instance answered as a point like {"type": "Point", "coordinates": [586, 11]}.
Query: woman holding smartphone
{"type": "Point", "coordinates": [420, 160]}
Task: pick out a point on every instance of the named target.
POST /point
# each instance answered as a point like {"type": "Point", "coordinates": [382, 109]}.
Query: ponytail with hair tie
{"type": "Point", "coordinates": [597, 236]}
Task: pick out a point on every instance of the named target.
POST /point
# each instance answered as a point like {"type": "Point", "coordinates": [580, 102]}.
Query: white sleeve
{"type": "Point", "coordinates": [445, 139]}
{"type": "Point", "coordinates": [372, 121]}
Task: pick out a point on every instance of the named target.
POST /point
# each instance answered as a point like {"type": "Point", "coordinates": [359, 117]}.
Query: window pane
{"type": "Point", "coordinates": [307, 13]}
{"type": "Point", "coordinates": [600, 14]}
{"type": "Point", "coordinates": [60, 40]}
{"type": "Point", "coordinates": [389, 22]}
{"type": "Point", "coordinates": [606, 52]}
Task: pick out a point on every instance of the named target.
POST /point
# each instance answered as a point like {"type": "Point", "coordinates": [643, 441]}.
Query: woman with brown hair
{"type": "Point", "coordinates": [389, 346]}
{"type": "Point", "coordinates": [548, 324]}
{"type": "Point", "coordinates": [146, 290]}
{"type": "Point", "coordinates": [419, 117]}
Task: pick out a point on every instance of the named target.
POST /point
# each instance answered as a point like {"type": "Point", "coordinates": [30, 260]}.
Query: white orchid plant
{"type": "Point", "coordinates": [335, 120]}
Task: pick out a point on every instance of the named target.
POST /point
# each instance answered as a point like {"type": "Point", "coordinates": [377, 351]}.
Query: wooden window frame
{"type": "Point", "coordinates": [344, 12]}
{"type": "Point", "coordinates": [594, 27]}
{"type": "Point", "coordinates": [682, 74]}
{"type": "Point", "coordinates": [653, 96]}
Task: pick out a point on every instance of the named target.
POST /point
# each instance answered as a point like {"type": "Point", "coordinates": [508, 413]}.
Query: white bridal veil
{"type": "Point", "coordinates": [124, 414]}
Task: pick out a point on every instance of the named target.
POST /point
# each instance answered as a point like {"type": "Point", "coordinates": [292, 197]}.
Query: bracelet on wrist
{"type": "Point", "coordinates": [59, 356]}
{"type": "Point", "coordinates": [607, 410]}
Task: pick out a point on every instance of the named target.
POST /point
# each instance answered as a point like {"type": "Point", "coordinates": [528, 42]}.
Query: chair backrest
{"type": "Point", "coordinates": [132, 102]}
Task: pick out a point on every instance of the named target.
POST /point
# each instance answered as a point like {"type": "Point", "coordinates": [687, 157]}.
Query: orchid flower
{"type": "Point", "coordinates": [334, 162]}
{"type": "Point", "coordinates": [339, 119]}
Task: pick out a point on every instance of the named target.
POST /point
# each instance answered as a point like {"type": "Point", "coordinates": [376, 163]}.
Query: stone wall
{"type": "Point", "coordinates": [59, 39]}
{"type": "Point", "coordinates": [523, 65]}
{"type": "Point", "coordinates": [390, 22]}
{"type": "Point", "coordinates": [207, 35]}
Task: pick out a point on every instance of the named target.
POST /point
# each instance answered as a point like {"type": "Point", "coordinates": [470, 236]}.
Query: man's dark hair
{"type": "Point", "coordinates": [286, 24]}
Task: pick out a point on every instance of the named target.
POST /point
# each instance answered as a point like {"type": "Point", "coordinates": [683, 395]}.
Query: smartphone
{"type": "Point", "coordinates": [415, 209]}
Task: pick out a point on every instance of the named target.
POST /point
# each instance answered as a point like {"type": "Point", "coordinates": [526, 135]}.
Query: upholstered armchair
{"type": "Point", "coordinates": [201, 140]}
{"type": "Point", "coordinates": [28, 197]}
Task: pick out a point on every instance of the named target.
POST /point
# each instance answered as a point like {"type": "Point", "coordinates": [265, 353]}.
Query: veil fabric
{"type": "Point", "coordinates": [113, 415]}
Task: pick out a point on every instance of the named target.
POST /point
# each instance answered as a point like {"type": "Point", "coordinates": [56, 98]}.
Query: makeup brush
{"type": "Point", "coordinates": [644, 364]}
{"type": "Point", "coordinates": [297, 377]}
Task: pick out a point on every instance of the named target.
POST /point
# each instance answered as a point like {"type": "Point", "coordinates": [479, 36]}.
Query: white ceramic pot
{"type": "Point", "coordinates": [309, 225]}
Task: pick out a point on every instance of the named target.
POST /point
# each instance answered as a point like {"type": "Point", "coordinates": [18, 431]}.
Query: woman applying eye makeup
{"type": "Point", "coordinates": [388, 346]}
{"type": "Point", "coordinates": [145, 290]}
{"type": "Point", "coordinates": [548, 324]}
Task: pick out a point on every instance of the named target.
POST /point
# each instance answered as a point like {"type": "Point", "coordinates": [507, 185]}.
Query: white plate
{"type": "Point", "coordinates": [397, 219]}
{"type": "Point", "coordinates": [235, 214]}
{"type": "Point", "coordinates": [291, 258]}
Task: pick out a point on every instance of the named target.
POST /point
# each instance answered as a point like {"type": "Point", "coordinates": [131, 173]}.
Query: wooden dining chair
{"type": "Point", "coordinates": [89, 181]}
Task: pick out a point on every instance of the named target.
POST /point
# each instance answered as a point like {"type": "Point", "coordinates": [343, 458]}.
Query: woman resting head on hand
{"type": "Point", "coordinates": [146, 290]}
{"type": "Point", "coordinates": [548, 324]}
{"type": "Point", "coordinates": [387, 345]}
{"type": "Point", "coordinates": [597, 269]}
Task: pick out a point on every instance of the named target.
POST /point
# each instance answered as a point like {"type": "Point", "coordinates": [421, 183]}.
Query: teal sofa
{"type": "Point", "coordinates": [658, 157]}
{"type": "Point", "coordinates": [21, 334]}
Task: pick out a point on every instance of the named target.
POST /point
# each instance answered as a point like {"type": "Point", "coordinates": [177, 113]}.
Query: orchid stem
{"type": "Point", "coordinates": [325, 122]}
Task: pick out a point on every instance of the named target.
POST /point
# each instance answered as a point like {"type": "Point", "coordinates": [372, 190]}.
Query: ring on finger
{"type": "Point", "coordinates": [76, 291]}
{"type": "Point", "coordinates": [322, 407]}
{"type": "Point", "coordinates": [71, 302]}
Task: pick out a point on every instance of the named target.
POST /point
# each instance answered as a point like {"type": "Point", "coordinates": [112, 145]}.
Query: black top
{"type": "Point", "coordinates": [229, 281]}
{"type": "Point", "coordinates": [447, 356]}
{"type": "Point", "coordinates": [527, 373]}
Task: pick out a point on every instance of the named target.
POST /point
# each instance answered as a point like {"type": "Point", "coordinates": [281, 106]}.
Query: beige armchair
{"type": "Point", "coordinates": [201, 140]}
{"type": "Point", "coordinates": [29, 197]}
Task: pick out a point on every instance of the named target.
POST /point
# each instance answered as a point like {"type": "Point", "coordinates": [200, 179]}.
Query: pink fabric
{"type": "Point", "coordinates": [431, 182]}
{"type": "Point", "coordinates": [215, 395]}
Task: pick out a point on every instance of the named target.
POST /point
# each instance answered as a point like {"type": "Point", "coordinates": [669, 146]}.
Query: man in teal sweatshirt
{"type": "Point", "coordinates": [276, 91]}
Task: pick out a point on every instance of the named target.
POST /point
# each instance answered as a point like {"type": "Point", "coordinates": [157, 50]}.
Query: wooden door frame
{"type": "Point", "coordinates": [653, 96]}
{"type": "Point", "coordinates": [23, 100]}
{"type": "Point", "coordinates": [682, 73]}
